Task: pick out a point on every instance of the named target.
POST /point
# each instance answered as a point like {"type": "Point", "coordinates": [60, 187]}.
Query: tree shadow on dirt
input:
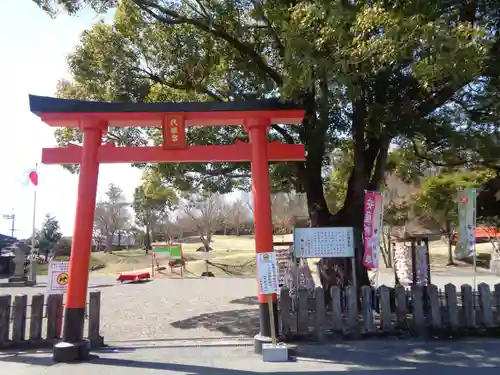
{"type": "Point", "coordinates": [231, 323]}
{"type": "Point", "coordinates": [250, 300]}
{"type": "Point", "coordinates": [483, 260]}
{"type": "Point", "coordinates": [433, 357]}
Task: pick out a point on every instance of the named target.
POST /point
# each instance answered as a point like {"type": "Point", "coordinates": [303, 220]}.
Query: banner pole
{"type": "Point", "coordinates": [474, 271]}
{"type": "Point", "coordinates": [474, 259]}
{"type": "Point", "coordinates": [32, 266]}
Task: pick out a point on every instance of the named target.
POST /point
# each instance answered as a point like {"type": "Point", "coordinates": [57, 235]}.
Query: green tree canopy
{"type": "Point", "coordinates": [151, 202]}
{"type": "Point", "coordinates": [373, 87]}
{"type": "Point", "coordinates": [373, 73]}
{"type": "Point", "coordinates": [436, 203]}
{"type": "Point", "coordinates": [49, 236]}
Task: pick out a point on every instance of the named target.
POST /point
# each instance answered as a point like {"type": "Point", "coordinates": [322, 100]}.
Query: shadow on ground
{"type": "Point", "coordinates": [231, 322]}
{"type": "Point", "coordinates": [101, 286]}
{"type": "Point", "coordinates": [250, 300]}
{"type": "Point", "coordinates": [482, 260]}
{"type": "Point", "coordinates": [364, 357]}
{"type": "Point", "coordinates": [457, 356]}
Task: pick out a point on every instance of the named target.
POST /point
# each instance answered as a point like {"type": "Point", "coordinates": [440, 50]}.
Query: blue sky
{"type": "Point", "coordinates": [32, 59]}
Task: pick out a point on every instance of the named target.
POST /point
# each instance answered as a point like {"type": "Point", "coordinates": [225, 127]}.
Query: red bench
{"type": "Point", "coordinates": [133, 277]}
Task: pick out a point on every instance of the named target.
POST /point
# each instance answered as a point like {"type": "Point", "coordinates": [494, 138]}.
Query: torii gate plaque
{"type": "Point", "coordinates": [93, 119]}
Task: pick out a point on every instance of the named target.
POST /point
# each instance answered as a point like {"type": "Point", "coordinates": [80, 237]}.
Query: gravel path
{"type": "Point", "coordinates": [172, 308]}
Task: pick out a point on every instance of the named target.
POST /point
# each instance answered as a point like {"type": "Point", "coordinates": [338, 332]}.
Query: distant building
{"type": "Point", "coordinates": [6, 256]}
{"type": "Point", "coordinates": [123, 238]}
{"type": "Point", "coordinates": [6, 241]}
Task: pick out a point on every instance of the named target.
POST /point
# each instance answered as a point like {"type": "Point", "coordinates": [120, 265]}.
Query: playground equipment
{"type": "Point", "coordinates": [93, 119]}
{"type": "Point", "coordinates": [168, 251]}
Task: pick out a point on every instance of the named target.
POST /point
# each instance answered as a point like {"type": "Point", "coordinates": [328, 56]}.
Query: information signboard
{"type": "Point", "coordinates": [335, 242]}
{"type": "Point", "coordinates": [267, 271]}
{"type": "Point", "coordinates": [58, 277]}
{"type": "Point", "coordinates": [169, 251]}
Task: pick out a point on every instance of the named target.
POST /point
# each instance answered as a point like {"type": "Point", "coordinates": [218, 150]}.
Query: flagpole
{"type": "Point", "coordinates": [32, 268]}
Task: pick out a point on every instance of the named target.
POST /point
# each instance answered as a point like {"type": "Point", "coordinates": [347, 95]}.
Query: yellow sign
{"type": "Point", "coordinates": [62, 279]}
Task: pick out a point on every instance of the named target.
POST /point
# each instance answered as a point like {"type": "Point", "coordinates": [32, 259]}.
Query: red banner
{"type": "Point", "coordinates": [174, 135]}
{"type": "Point", "coordinates": [372, 228]}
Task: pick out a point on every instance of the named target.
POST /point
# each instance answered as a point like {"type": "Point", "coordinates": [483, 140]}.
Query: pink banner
{"type": "Point", "coordinates": [372, 228]}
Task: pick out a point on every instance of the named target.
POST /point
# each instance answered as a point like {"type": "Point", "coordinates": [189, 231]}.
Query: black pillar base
{"type": "Point", "coordinates": [74, 321]}
{"type": "Point", "coordinates": [71, 351]}
{"type": "Point", "coordinates": [73, 347]}
{"type": "Point", "coordinates": [264, 337]}
{"type": "Point", "coordinates": [265, 321]}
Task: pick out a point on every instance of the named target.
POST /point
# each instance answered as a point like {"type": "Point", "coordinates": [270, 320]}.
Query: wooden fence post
{"type": "Point", "coordinates": [450, 292]}
{"type": "Point", "coordinates": [303, 312]}
{"type": "Point", "coordinates": [337, 322]}
{"type": "Point", "coordinates": [19, 318]}
{"type": "Point", "coordinates": [468, 306]}
{"type": "Point", "coordinates": [418, 308]}
{"type": "Point", "coordinates": [435, 306]}
{"type": "Point", "coordinates": [95, 320]}
{"type": "Point", "coordinates": [5, 301]}
{"type": "Point", "coordinates": [366, 299]}
{"type": "Point", "coordinates": [485, 305]}
{"type": "Point", "coordinates": [36, 319]}
{"type": "Point", "coordinates": [54, 316]}
{"type": "Point", "coordinates": [385, 309]}
{"type": "Point", "coordinates": [352, 309]}
{"type": "Point", "coordinates": [319, 297]}
{"type": "Point", "coordinates": [285, 306]}
{"type": "Point", "coordinates": [401, 308]}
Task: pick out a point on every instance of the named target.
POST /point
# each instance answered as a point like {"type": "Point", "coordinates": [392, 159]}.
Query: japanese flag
{"type": "Point", "coordinates": [29, 177]}
{"type": "Point", "coordinates": [33, 177]}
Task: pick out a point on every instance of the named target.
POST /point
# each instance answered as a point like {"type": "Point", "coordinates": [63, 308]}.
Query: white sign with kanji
{"type": "Point", "coordinates": [334, 242]}
{"type": "Point", "coordinates": [267, 272]}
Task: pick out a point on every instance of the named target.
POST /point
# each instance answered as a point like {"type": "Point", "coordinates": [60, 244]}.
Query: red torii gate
{"type": "Point", "coordinates": [93, 119]}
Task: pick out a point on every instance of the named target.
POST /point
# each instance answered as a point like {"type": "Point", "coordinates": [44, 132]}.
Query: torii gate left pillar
{"type": "Point", "coordinates": [73, 346]}
{"type": "Point", "coordinates": [93, 119]}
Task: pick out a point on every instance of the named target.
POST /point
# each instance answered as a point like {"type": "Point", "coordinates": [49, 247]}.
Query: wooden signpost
{"type": "Point", "coordinates": [271, 318]}
{"type": "Point", "coordinates": [267, 271]}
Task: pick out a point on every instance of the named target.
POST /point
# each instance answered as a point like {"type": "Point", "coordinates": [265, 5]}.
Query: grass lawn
{"type": "Point", "coordinates": [231, 256]}
{"type": "Point", "coordinates": [42, 269]}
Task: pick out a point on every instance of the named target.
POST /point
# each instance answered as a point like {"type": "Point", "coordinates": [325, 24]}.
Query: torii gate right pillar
{"type": "Point", "coordinates": [263, 229]}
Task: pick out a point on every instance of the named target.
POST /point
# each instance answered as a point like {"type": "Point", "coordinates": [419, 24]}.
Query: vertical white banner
{"type": "Point", "coordinates": [466, 245]}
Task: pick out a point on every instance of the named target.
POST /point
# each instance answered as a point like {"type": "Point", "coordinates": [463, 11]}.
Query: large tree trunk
{"type": "Point", "coordinates": [147, 240]}
{"type": "Point", "coordinates": [370, 157]}
{"type": "Point", "coordinates": [109, 243]}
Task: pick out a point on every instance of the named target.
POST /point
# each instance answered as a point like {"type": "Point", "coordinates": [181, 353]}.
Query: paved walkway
{"type": "Point", "coordinates": [236, 358]}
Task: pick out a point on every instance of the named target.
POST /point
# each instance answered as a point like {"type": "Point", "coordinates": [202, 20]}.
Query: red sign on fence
{"type": "Point", "coordinates": [174, 135]}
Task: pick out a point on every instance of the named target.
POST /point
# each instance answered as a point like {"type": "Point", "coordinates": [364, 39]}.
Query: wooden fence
{"type": "Point", "coordinates": [45, 320]}
{"type": "Point", "coordinates": [419, 311]}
